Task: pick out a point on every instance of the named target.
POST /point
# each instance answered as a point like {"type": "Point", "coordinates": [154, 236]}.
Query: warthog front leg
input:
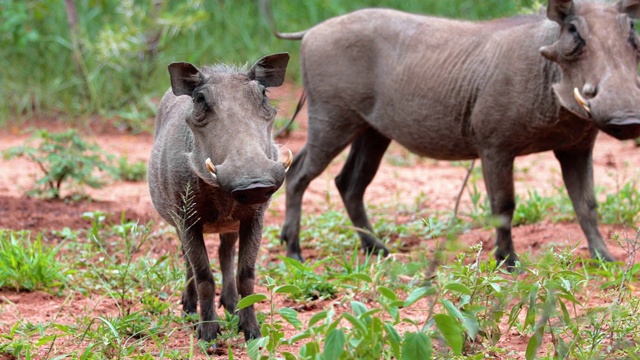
{"type": "Point", "coordinates": [226, 253]}
{"type": "Point", "coordinates": [190, 294]}
{"type": "Point", "coordinates": [497, 171]}
{"type": "Point", "coordinates": [358, 171]}
{"type": "Point", "coordinates": [250, 238]}
{"type": "Point", "coordinates": [196, 253]}
{"type": "Point", "coordinates": [577, 173]}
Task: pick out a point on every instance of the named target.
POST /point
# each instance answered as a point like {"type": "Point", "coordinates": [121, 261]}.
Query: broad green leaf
{"type": "Point", "coordinates": [301, 336]}
{"type": "Point", "coordinates": [291, 316]}
{"type": "Point", "coordinates": [451, 309]}
{"type": "Point", "coordinates": [289, 262]}
{"type": "Point", "coordinates": [334, 344]}
{"type": "Point", "coordinates": [370, 312]}
{"type": "Point", "coordinates": [388, 293]}
{"type": "Point", "coordinates": [358, 307]}
{"type": "Point", "coordinates": [530, 318]}
{"type": "Point", "coordinates": [416, 346]}
{"type": "Point", "coordinates": [309, 350]}
{"type": "Point", "coordinates": [471, 325]}
{"type": "Point", "coordinates": [287, 289]}
{"type": "Point", "coordinates": [287, 356]}
{"type": "Point", "coordinates": [394, 339]}
{"type": "Point", "coordinates": [469, 322]}
{"type": "Point", "coordinates": [250, 300]}
{"type": "Point", "coordinates": [418, 294]}
{"type": "Point", "coordinates": [256, 347]}
{"type": "Point", "coordinates": [459, 288]}
{"type": "Point", "coordinates": [534, 343]}
{"type": "Point", "coordinates": [360, 276]}
{"type": "Point", "coordinates": [357, 323]}
{"type": "Point", "coordinates": [451, 331]}
{"type": "Point", "coordinates": [317, 317]}
{"type": "Point", "coordinates": [394, 313]}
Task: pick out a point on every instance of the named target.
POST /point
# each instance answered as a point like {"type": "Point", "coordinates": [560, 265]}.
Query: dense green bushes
{"type": "Point", "coordinates": [113, 62]}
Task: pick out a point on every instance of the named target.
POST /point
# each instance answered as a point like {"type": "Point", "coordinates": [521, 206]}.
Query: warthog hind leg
{"type": "Point", "coordinates": [361, 167]}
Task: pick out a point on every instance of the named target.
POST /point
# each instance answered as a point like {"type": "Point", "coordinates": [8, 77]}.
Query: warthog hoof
{"type": "Point", "coordinates": [602, 255]}
{"type": "Point", "coordinates": [296, 256]}
{"type": "Point", "coordinates": [375, 249]}
{"type": "Point", "coordinates": [509, 260]}
{"type": "Point", "coordinates": [250, 334]}
{"type": "Point", "coordinates": [209, 331]}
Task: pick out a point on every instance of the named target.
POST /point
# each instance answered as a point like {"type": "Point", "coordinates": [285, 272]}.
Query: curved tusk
{"type": "Point", "coordinates": [211, 168]}
{"type": "Point", "coordinates": [582, 101]}
{"type": "Point", "coordinates": [288, 161]}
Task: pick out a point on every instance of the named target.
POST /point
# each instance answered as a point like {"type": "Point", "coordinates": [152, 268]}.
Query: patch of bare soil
{"type": "Point", "coordinates": [403, 180]}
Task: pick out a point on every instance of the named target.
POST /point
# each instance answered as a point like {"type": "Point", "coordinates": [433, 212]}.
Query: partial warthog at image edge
{"type": "Point", "coordinates": [458, 90]}
{"type": "Point", "coordinates": [213, 169]}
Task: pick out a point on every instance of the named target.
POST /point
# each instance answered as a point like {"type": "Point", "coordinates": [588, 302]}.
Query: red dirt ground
{"type": "Point", "coordinates": [434, 183]}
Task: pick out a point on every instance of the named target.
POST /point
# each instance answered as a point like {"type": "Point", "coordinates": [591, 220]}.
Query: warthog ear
{"type": "Point", "coordinates": [558, 10]}
{"type": "Point", "coordinates": [185, 77]}
{"type": "Point", "coordinates": [270, 70]}
{"type": "Point", "coordinates": [630, 7]}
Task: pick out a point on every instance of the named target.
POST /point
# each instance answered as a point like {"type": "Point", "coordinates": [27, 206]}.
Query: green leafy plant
{"type": "Point", "coordinates": [621, 206]}
{"type": "Point", "coordinates": [130, 171]}
{"type": "Point", "coordinates": [29, 265]}
{"type": "Point", "coordinates": [62, 157]}
{"type": "Point", "coordinates": [532, 209]}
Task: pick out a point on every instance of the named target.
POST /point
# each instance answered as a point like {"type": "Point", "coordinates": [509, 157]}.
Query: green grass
{"type": "Point", "coordinates": [389, 308]}
{"type": "Point", "coordinates": [364, 307]}
{"type": "Point", "coordinates": [119, 71]}
{"type": "Point", "coordinates": [27, 264]}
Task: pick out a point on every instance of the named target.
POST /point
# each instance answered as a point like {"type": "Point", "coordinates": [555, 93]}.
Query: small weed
{"type": "Point", "coordinates": [622, 206]}
{"type": "Point", "coordinates": [330, 232]}
{"type": "Point", "coordinates": [29, 265]}
{"type": "Point", "coordinates": [312, 284]}
{"type": "Point", "coordinates": [532, 210]}
{"type": "Point", "coordinates": [62, 158]}
{"type": "Point", "coordinates": [135, 171]}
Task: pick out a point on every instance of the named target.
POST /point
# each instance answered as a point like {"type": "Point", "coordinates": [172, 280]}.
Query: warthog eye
{"type": "Point", "coordinates": [200, 106]}
{"type": "Point", "coordinates": [198, 98]}
{"type": "Point", "coordinates": [633, 36]}
{"type": "Point", "coordinates": [263, 89]}
{"type": "Point", "coordinates": [578, 41]}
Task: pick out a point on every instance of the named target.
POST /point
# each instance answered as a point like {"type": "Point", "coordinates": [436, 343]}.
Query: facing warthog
{"type": "Point", "coordinates": [457, 90]}
{"type": "Point", "coordinates": [213, 169]}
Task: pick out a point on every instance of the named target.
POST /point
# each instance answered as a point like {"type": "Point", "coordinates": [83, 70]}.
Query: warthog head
{"type": "Point", "coordinates": [598, 52]}
{"type": "Point", "coordinates": [231, 123]}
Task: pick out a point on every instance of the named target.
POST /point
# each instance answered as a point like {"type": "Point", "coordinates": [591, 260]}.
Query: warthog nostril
{"type": "Point", "coordinates": [254, 194]}
{"type": "Point", "coordinates": [589, 91]}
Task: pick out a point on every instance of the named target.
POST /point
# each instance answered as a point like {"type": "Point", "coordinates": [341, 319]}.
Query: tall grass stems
{"type": "Point", "coordinates": [113, 63]}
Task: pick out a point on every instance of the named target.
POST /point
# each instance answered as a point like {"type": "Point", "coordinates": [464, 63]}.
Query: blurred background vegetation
{"type": "Point", "coordinates": [76, 59]}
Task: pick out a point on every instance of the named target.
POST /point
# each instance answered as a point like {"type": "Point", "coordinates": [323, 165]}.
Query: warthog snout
{"type": "Point", "coordinates": [255, 193]}
{"type": "Point", "coordinates": [623, 126]}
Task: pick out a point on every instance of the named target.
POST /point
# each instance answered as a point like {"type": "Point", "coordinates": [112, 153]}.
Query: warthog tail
{"type": "Point", "coordinates": [303, 98]}
{"type": "Point", "coordinates": [265, 8]}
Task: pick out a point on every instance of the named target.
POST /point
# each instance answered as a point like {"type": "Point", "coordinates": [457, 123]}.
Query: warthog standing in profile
{"type": "Point", "coordinates": [213, 169]}
{"type": "Point", "coordinates": [458, 90]}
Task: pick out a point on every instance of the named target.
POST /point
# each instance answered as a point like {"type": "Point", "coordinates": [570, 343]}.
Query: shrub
{"type": "Point", "coordinates": [62, 157]}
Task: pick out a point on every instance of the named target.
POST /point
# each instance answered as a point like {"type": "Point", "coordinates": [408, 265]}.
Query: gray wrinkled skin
{"type": "Point", "coordinates": [457, 90]}
{"type": "Point", "coordinates": [223, 114]}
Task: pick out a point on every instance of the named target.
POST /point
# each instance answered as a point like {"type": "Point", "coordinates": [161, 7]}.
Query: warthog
{"type": "Point", "coordinates": [213, 169]}
{"type": "Point", "coordinates": [458, 90]}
